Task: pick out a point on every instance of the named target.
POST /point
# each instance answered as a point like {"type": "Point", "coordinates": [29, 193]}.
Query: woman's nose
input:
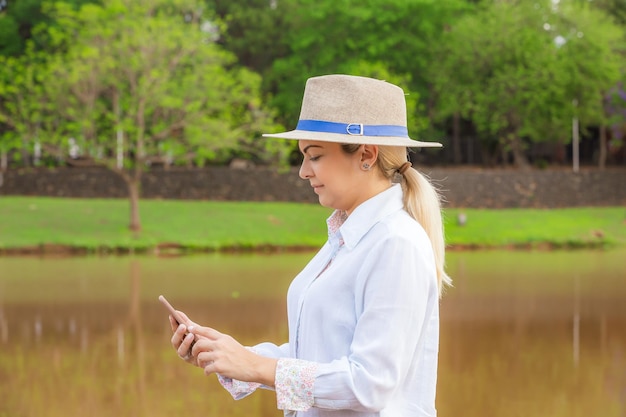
{"type": "Point", "coordinates": [304, 172]}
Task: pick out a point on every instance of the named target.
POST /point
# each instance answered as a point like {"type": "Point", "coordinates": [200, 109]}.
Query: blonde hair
{"type": "Point", "coordinates": [421, 201]}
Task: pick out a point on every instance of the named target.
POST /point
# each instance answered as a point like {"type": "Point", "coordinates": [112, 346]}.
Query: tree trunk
{"type": "Point", "coordinates": [602, 154]}
{"type": "Point", "coordinates": [134, 180]}
{"type": "Point", "coordinates": [456, 138]}
{"type": "Point", "coordinates": [133, 194]}
{"type": "Point", "coordinates": [489, 156]}
{"type": "Point", "coordinates": [119, 131]}
{"type": "Point", "coordinates": [517, 150]}
{"type": "Point", "coordinates": [575, 145]}
{"type": "Point", "coordinates": [25, 156]}
{"type": "Point", "coordinates": [133, 184]}
{"type": "Point", "coordinates": [558, 153]}
{"type": "Point", "coordinates": [3, 165]}
{"type": "Point", "coordinates": [504, 154]}
{"type": "Point", "coordinates": [469, 140]}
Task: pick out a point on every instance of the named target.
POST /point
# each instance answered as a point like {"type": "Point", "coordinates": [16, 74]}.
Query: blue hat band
{"type": "Point", "coordinates": [356, 129]}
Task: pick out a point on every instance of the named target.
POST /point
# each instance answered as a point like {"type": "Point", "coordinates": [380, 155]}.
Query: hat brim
{"type": "Point", "coordinates": [359, 139]}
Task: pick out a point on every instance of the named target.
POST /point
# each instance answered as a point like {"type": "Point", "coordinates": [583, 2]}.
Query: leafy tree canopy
{"type": "Point", "coordinates": [20, 18]}
{"type": "Point", "coordinates": [338, 36]}
{"type": "Point", "coordinates": [516, 70]}
{"type": "Point", "coordinates": [134, 82]}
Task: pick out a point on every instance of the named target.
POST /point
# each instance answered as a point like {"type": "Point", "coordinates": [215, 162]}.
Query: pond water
{"type": "Point", "coordinates": [529, 334]}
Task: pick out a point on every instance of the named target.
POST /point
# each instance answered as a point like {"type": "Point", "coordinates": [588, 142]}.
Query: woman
{"type": "Point", "coordinates": [363, 314]}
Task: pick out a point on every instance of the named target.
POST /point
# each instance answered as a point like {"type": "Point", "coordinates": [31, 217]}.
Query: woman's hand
{"type": "Point", "coordinates": [220, 353]}
{"type": "Point", "coordinates": [182, 340]}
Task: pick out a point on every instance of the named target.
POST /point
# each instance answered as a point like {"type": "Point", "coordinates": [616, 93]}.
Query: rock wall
{"type": "Point", "coordinates": [460, 187]}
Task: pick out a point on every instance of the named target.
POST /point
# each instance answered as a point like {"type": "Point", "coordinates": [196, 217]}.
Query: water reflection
{"type": "Point", "coordinates": [523, 333]}
{"type": "Point", "coordinates": [535, 334]}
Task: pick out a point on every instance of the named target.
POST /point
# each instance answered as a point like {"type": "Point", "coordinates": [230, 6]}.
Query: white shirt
{"type": "Point", "coordinates": [363, 320]}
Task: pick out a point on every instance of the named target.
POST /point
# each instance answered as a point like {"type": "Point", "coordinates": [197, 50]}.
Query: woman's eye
{"type": "Point", "coordinates": [315, 158]}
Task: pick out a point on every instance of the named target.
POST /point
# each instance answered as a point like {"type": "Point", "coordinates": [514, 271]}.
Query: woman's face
{"type": "Point", "coordinates": [336, 177]}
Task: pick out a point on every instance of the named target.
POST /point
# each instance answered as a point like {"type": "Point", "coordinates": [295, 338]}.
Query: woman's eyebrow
{"type": "Point", "coordinates": [306, 148]}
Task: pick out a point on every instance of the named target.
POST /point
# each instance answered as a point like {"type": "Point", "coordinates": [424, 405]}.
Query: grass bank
{"type": "Point", "coordinates": [38, 224]}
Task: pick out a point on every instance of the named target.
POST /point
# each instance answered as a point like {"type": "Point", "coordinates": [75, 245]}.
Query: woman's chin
{"type": "Point", "coordinates": [324, 202]}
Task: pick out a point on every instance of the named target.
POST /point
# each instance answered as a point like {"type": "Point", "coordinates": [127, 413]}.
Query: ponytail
{"type": "Point", "coordinates": [421, 201]}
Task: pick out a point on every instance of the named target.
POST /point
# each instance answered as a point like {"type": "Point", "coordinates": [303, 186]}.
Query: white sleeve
{"type": "Point", "coordinates": [271, 350]}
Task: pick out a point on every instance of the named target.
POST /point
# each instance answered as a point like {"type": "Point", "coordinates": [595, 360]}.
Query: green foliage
{"type": "Point", "coordinates": [22, 101]}
{"type": "Point", "coordinates": [140, 70]}
{"type": "Point", "coordinates": [167, 74]}
{"type": "Point", "coordinates": [254, 30]}
{"type": "Point", "coordinates": [10, 41]}
{"type": "Point", "coordinates": [592, 57]}
{"type": "Point", "coordinates": [361, 38]}
{"type": "Point", "coordinates": [515, 68]}
{"type": "Point", "coordinates": [19, 21]}
{"type": "Point", "coordinates": [615, 8]}
{"type": "Point", "coordinates": [16, 24]}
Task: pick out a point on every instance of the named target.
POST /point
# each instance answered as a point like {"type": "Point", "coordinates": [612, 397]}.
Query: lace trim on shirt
{"type": "Point", "coordinates": [335, 221]}
{"type": "Point", "coordinates": [238, 389]}
{"type": "Point", "coordinates": [294, 384]}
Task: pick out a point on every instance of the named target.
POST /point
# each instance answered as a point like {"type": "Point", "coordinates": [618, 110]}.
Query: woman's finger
{"type": "Point", "coordinates": [205, 359]}
{"type": "Point", "coordinates": [186, 320]}
{"type": "Point", "coordinates": [173, 323]}
{"type": "Point", "coordinates": [202, 344]}
{"type": "Point", "coordinates": [179, 334]}
{"type": "Point", "coordinates": [184, 349]}
{"type": "Point", "coordinates": [206, 332]}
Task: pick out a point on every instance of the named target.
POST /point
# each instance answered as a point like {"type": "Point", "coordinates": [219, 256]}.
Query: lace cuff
{"type": "Point", "coordinates": [238, 389]}
{"type": "Point", "coordinates": [295, 379]}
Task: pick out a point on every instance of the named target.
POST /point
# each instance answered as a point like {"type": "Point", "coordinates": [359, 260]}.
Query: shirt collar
{"type": "Point", "coordinates": [348, 230]}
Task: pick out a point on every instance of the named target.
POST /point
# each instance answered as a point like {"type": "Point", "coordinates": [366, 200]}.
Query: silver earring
{"type": "Point", "coordinates": [366, 166]}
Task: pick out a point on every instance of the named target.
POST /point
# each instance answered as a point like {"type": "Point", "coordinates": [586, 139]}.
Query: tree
{"type": "Point", "coordinates": [614, 8]}
{"type": "Point", "coordinates": [255, 30]}
{"type": "Point", "coordinates": [594, 48]}
{"type": "Point", "coordinates": [141, 82]}
{"type": "Point", "coordinates": [18, 21]}
{"type": "Point", "coordinates": [339, 36]}
{"type": "Point", "coordinates": [21, 104]}
{"type": "Point", "coordinates": [515, 68]}
{"type": "Point", "coordinates": [616, 97]}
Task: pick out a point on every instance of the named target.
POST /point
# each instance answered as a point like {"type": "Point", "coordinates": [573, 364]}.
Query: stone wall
{"type": "Point", "coordinates": [461, 187]}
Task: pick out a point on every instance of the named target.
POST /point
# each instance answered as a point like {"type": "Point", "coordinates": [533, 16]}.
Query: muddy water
{"type": "Point", "coordinates": [529, 334]}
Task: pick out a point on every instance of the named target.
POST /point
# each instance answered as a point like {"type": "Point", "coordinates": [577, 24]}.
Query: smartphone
{"type": "Point", "coordinates": [171, 309]}
{"type": "Point", "coordinates": [174, 313]}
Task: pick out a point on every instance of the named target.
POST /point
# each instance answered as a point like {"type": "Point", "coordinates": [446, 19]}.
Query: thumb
{"type": "Point", "coordinates": [206, 332]}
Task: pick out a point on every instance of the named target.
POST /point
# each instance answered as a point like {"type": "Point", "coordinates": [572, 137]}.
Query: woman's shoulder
{"type": "Point", "coordinates": [399, 225]}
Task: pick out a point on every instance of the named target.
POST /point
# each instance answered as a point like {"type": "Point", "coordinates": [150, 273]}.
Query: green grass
{"type": "Point", "coordinates": [100, 225]}
{"type": "Point", "coordinates": [569, 228]}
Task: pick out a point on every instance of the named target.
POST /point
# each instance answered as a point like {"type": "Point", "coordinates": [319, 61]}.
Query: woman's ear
{"type": "Point", "coordinates": [369, 154]}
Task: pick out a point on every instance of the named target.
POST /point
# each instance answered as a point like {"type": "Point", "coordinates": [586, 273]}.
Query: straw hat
{"type": "Point", "coordinates": [350, 109]}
